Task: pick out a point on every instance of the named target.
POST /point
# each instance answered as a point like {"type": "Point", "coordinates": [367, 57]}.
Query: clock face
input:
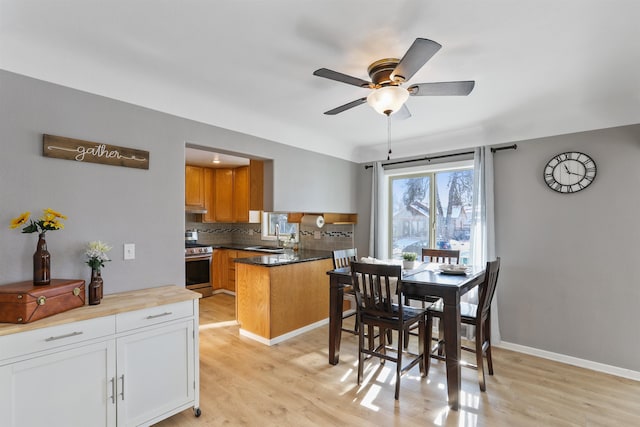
{"type": "Point", "coordinates": [570, 172]}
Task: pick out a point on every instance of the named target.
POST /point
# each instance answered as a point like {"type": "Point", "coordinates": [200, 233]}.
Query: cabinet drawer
{"type": "Point", "coordinates": [153, 315]}
{"type": "Point", "coordinates": [55, 336]}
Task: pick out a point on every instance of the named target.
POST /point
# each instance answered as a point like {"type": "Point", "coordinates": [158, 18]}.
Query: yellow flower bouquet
{"type": "Point", "coordinates": [50, 220]}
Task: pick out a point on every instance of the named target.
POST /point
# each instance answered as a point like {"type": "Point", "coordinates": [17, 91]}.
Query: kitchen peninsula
{"type": "Point", "coordinates": [282, 295]}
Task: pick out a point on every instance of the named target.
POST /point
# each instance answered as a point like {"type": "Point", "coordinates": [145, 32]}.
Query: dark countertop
{"type": "Point", "coordinates": [236, 246]}
{"type": "Point", "coordinates": [274, 260]}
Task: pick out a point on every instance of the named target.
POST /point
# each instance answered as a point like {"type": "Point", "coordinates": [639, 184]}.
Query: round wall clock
{"type": "Point", "coordinates": [570, 172]}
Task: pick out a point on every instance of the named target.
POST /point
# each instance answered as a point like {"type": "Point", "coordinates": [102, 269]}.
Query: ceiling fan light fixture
{"type": "Point", "coordinates": [388, 99]}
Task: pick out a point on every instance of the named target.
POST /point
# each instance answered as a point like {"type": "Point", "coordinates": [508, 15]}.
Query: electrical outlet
{"type": "Point", "coordinates": [129, 251]}
{"type": "Point", "coordinates": [317, 235]}
{"type": "Point", "coordinates": [251, 232]}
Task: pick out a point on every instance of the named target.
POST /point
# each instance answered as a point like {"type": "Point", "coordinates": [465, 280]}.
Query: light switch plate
{"type": "Point", "coordinates": [129, 251]}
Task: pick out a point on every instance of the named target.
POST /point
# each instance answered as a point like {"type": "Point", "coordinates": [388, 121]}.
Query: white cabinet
{"type": "Point", "coordinates": [128, 369]}
{"type": "Point", "coordinates": [65, 388]}
{"type": "Point", "coordinates": [155, 373]}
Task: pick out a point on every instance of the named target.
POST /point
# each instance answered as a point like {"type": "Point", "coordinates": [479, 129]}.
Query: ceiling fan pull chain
{"type": "Point", "coordinates": [389, 136]}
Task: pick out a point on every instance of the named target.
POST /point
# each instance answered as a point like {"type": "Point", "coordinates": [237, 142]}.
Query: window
{"type": "Point", "coordinates": [431, 208]}
{"type": "Point", "coordinates": [269, 221]}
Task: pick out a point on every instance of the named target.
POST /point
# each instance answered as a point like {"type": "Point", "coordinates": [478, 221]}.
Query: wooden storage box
{"type": "Point", "coordinates": [23, 302]}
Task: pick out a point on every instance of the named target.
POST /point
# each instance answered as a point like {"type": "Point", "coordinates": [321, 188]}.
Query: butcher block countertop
{"type": "Point", "coordinates": [111, 304]}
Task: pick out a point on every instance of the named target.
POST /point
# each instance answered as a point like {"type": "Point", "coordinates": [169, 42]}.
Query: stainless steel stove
{"type": "Point", "coordinates": [198, 267]}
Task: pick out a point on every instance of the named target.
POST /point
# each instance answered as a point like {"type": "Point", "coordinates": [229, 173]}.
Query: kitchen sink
{"type": "Point", "coordinates": [271, 249]}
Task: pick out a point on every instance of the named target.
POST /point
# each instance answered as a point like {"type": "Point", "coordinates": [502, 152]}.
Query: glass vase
{"type": "Point", "coordinates": [95, 287]}
{"type": "Point", "coordinates": [41, 263]}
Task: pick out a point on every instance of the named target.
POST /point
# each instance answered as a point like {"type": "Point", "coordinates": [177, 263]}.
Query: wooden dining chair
{"type": "Point", "coordinates": [374, 291]}
{"type": "Point", "coordinates": [442, 256]}
{"type": "Point", "coordinates": [343, 258]}
{"type": "Point", "coordinates": [477, 315]}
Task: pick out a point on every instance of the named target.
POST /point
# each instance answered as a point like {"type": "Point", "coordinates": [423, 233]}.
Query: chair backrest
{"type": "Point", "coordinates": [487, 289]}
{"type": "Point", "coordinates": [344, 257]}
{"type": "Point", "coordinates": [375, 289]}
{"type": "Point", "coordinates": [442, 256]}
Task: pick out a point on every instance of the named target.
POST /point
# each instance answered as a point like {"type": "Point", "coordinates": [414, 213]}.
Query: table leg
{"type": "Point", "coordinates": [336, 295]}
{"type": "Point", "coordinates": [451, 318]}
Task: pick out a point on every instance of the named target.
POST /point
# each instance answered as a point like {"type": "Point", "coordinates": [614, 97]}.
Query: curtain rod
{"type": "Point", "coordinates": [428, 159]}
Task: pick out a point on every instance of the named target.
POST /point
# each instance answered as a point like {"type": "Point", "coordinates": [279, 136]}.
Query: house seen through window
{"type": "Point", "coordinates": [431, 209]}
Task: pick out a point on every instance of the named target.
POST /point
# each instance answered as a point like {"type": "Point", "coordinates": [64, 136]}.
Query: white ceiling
{"type": "Point", "coordinates": [541, 68]}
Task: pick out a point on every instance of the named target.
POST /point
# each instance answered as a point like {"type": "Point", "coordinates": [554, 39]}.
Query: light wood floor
{"type": "Point", "coordinates": [244, 383]}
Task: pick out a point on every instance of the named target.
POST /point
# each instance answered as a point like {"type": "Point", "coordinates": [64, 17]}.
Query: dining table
{"type": "Point", "coordinates": [426, 280]}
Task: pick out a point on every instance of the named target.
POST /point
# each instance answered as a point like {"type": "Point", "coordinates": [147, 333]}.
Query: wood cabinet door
{"type": "Point", "coordinates": [231, 270]}
{"type": "Point", "coordinates": [241, 194]}
{"type": "Point", "coordinates": [224, 195]}
{"type": "Point", "coordinates": [194, 186]}
{"type": "Point", "coordinates": [256, 185]}
{"type": "Point", "coordinates": [209, 195]}
{"type": "Point", "coordinates": [218, 267]}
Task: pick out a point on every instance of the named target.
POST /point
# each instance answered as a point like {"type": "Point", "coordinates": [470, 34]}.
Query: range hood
{"type": "Point", "coordinates": [194, 209]}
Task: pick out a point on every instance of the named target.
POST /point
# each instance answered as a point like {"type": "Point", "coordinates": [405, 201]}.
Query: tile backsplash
{"type": "Point", "coordinates": [328, 238]}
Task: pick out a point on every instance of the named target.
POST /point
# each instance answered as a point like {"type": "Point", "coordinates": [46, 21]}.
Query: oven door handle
{"type": "Point", "coordinates": [198, 258]}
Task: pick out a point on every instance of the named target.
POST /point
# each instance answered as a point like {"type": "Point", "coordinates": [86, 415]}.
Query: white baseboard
{"type": "Point", "coordinates": [570, 360]}
{"type": "Point", "coordinates": [283, 337]}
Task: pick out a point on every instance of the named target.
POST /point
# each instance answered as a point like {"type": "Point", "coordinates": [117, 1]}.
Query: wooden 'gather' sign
{"type": "Point", "coordinates": [93, 152]}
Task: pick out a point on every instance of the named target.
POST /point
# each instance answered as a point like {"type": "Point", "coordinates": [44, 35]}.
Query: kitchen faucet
{"type": "Point", "coordinates": [277, 235]}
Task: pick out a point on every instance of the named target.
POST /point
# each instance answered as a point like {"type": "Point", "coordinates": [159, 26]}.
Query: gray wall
{"type": "Point", "coordinates": [120, 205]}
{"type": "Point", "coordinates": [569, 281]}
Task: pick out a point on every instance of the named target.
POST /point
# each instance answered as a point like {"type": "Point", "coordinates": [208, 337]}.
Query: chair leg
{"type": "Point", "coordinates": [383, 343]}
{"type": "Point", "coordinates": [372, 337]}
{"type": "Point", "coordinates": [487, 339]}
{"type": "Point", "coordinates": [440, 337]}
{"type": "Point", "coordinates": [399, 364]}
{"type": "Point", "coordinates": [360, 358]}
{"type": "Point", "coordinates": [423, 349]}
{"type": "Point", "coordinates": [479, 358]}
{"type": "Point", "coordinates": [428, 336]}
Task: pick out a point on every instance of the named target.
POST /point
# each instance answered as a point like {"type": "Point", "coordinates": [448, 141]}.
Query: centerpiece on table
{"type": "Point", "coordinates": [96, 254]}
{"type": "Point", "coordinates": [409, 260]}
{"type": "Point", "coordinates": [50, 220]}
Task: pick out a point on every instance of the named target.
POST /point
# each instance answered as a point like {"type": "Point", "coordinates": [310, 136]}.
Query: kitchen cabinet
{"type": "Point", "coordinates": [225, 268]}
{"type": "Point", "coordinates": [229, 194]}
{"type": "Point", "coordinates": [151, 380]}
{"type": "Point", "coordinates": [223, 200]}
{"type": "Point", "coordinates": [209, 195]}
{"type": "Point", "coordinates": [274, 302]}
{"type": "Point", "coordinates": [248, 190]}
{"type": "Point", "coordinates": [218, 266]}
{"type": "Point", "coordinates": [194, 186]}
{"type": "Point", "coordinates": [122, 368]}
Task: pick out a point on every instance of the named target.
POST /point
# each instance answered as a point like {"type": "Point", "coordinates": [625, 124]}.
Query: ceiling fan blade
{"type": "Point", "coordinates": [345, 107]}
{"type": "Point", "coordinates": [418, 54]}
{"type": "Point", "coordinates": [402, 114]}
{"type": "Point", "coordinates": [339, 77]}
{"type": "Point", "coordinates": [461, 88]}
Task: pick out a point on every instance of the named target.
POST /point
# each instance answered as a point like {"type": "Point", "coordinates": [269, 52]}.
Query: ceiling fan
{"type": "Point", "coordinates": [387, 76]}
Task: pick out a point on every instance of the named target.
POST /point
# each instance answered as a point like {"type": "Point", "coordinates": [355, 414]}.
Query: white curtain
{"type": "Point", "coordinates": [377, 229]}
{"type": "Point", "coordinates": [482, 226]}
